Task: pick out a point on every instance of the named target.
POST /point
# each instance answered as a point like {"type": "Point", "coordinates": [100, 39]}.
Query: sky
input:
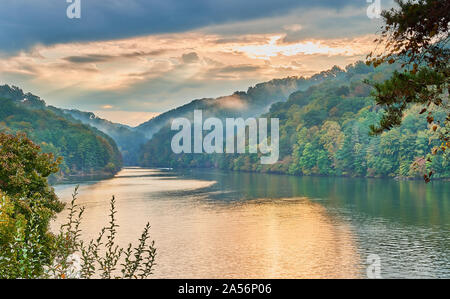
{"type": "Point", "coordinates": [129, 60]}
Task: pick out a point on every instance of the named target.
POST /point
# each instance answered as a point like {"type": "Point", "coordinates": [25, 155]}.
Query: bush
{"type": "Point", "coordinates": [22, 256]}
{"type": "Point", "coordinates": [27, 204]}
{"type": "Point", "coordinates": [23, 251]}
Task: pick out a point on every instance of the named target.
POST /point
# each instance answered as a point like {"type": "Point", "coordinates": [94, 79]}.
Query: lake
{"type": "Point", "coordinates": [214, 224]}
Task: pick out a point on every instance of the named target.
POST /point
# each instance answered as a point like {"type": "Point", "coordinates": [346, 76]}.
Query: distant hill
{"type": "Point", "coordinates": [86, 150]}
{"type": "Point", "coordinates": [324, 125]}
{"type": "Point", "coordinates": [128, 139]}
{"type": "Point", "coordinates": [324, 130]}
{"type": "Point", "coordinates": [255, 101]}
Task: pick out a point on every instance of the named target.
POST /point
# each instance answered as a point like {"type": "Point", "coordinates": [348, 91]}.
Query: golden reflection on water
{"type": "Point", "coordinates": [200, 238]}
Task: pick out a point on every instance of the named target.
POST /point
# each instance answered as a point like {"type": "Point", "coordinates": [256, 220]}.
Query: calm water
{"type": "Point", "coordinates": [211, 224]}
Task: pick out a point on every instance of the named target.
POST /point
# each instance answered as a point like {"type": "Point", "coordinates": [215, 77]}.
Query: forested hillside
{"type": "Point", "coordinates": [324, 130]}
{"type": "Point", "coordinates": [129, 140]}
{"type": "Point", "coordinates": [255, 101]}
{"type": "Point", "coordinates": [85, 150]}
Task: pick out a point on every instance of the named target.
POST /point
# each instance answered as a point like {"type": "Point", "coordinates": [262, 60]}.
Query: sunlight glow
{"type": "Point", "coordinates": [274, 48]}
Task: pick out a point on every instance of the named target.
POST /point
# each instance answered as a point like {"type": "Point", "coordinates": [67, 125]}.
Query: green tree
{"type": "Point", "coordinates": [308, 159]}
{"type": "Point", "coordinates": [27, 203]}
{"type": "Point", "coordinates": [30, 202]}
{"type": "Point", "coordinates": [324, 163]}
{"type": "Point", "coordinates": [417, 35]}
{"type": "Point", "coordinates": [24, 171]}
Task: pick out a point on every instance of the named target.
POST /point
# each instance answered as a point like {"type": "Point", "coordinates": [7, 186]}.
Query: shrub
{"type": "Point", "coordinates": [100, 258]}
{"type": "Point", "coordinates": [21, 256]}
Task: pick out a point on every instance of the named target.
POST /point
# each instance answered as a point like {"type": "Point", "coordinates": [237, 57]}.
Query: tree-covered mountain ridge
{"type": "Point", "coordinates": [128, 139]}
{"type": "Point", "coordinates": [324, 130]}
{"type": "Point", "coordinates": [255, 101]}
{"type": "Point", "coordinates": [84, 149]}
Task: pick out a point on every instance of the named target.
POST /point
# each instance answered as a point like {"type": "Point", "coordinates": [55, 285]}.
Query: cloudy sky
{"type": "Point", "coordinates": [128, 60]}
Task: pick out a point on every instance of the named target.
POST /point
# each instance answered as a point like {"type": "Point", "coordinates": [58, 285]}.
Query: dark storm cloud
{"type": "Point", "coordinates": [24, 23]}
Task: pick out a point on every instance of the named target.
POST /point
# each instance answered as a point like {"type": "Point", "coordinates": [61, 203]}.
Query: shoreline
{"type": "Point", "coordinates": [397, 178]}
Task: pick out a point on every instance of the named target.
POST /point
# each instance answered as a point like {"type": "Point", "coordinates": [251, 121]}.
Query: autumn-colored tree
{"type": "Point", "coordinates": [28, 249]}
{"type": "Point", "coordinates": [415, 35]}
{"type": "Point", "coordinates": [24, 172]}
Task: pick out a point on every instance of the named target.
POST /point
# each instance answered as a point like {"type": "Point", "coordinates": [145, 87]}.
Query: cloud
{"type": "Point", "coordinates": [190, 57]}
{"type": "Point", "coordinates": [88, 58]}
{"type": "Point", "coordinates": [161, 71]}
{"type": "Point", "coordinates": [232, 102]}
{"type": "Point", "coordinates": [131, 118]}
{"type": "Point", "coordinates": [238, 69]}
{"type": "Point", "coordinates": [241, 39]}
{"type": "Point", "coordinates": [276, 46]}
{"type": "Point", "coordinates": [231, 72]}
{"type": "Point", "coordinates": [297, 64]}
{"type": "Point", "coordinates": [28, 23]}
{"type": "Point", "coordinates": [293, 27]}
{"type": "Point", "coordinates": [96, 58]}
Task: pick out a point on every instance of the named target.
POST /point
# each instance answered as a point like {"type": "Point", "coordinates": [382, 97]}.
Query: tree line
{"type": "Point", "coordinates": [325, 130]}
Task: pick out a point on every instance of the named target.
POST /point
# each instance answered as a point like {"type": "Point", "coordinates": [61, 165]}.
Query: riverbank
{"type": "Point", "coordinates": [280, 172]}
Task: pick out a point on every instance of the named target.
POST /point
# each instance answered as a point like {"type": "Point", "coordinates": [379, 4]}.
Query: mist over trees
{"type": "Point", "coordinates": [400, 97]}
{"type": "Point", "coordinates": [84, 149]}
{"type": "Point", "coordinates": [128, 140]}
{"type": "Point", "coordinates": [324, 130]}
